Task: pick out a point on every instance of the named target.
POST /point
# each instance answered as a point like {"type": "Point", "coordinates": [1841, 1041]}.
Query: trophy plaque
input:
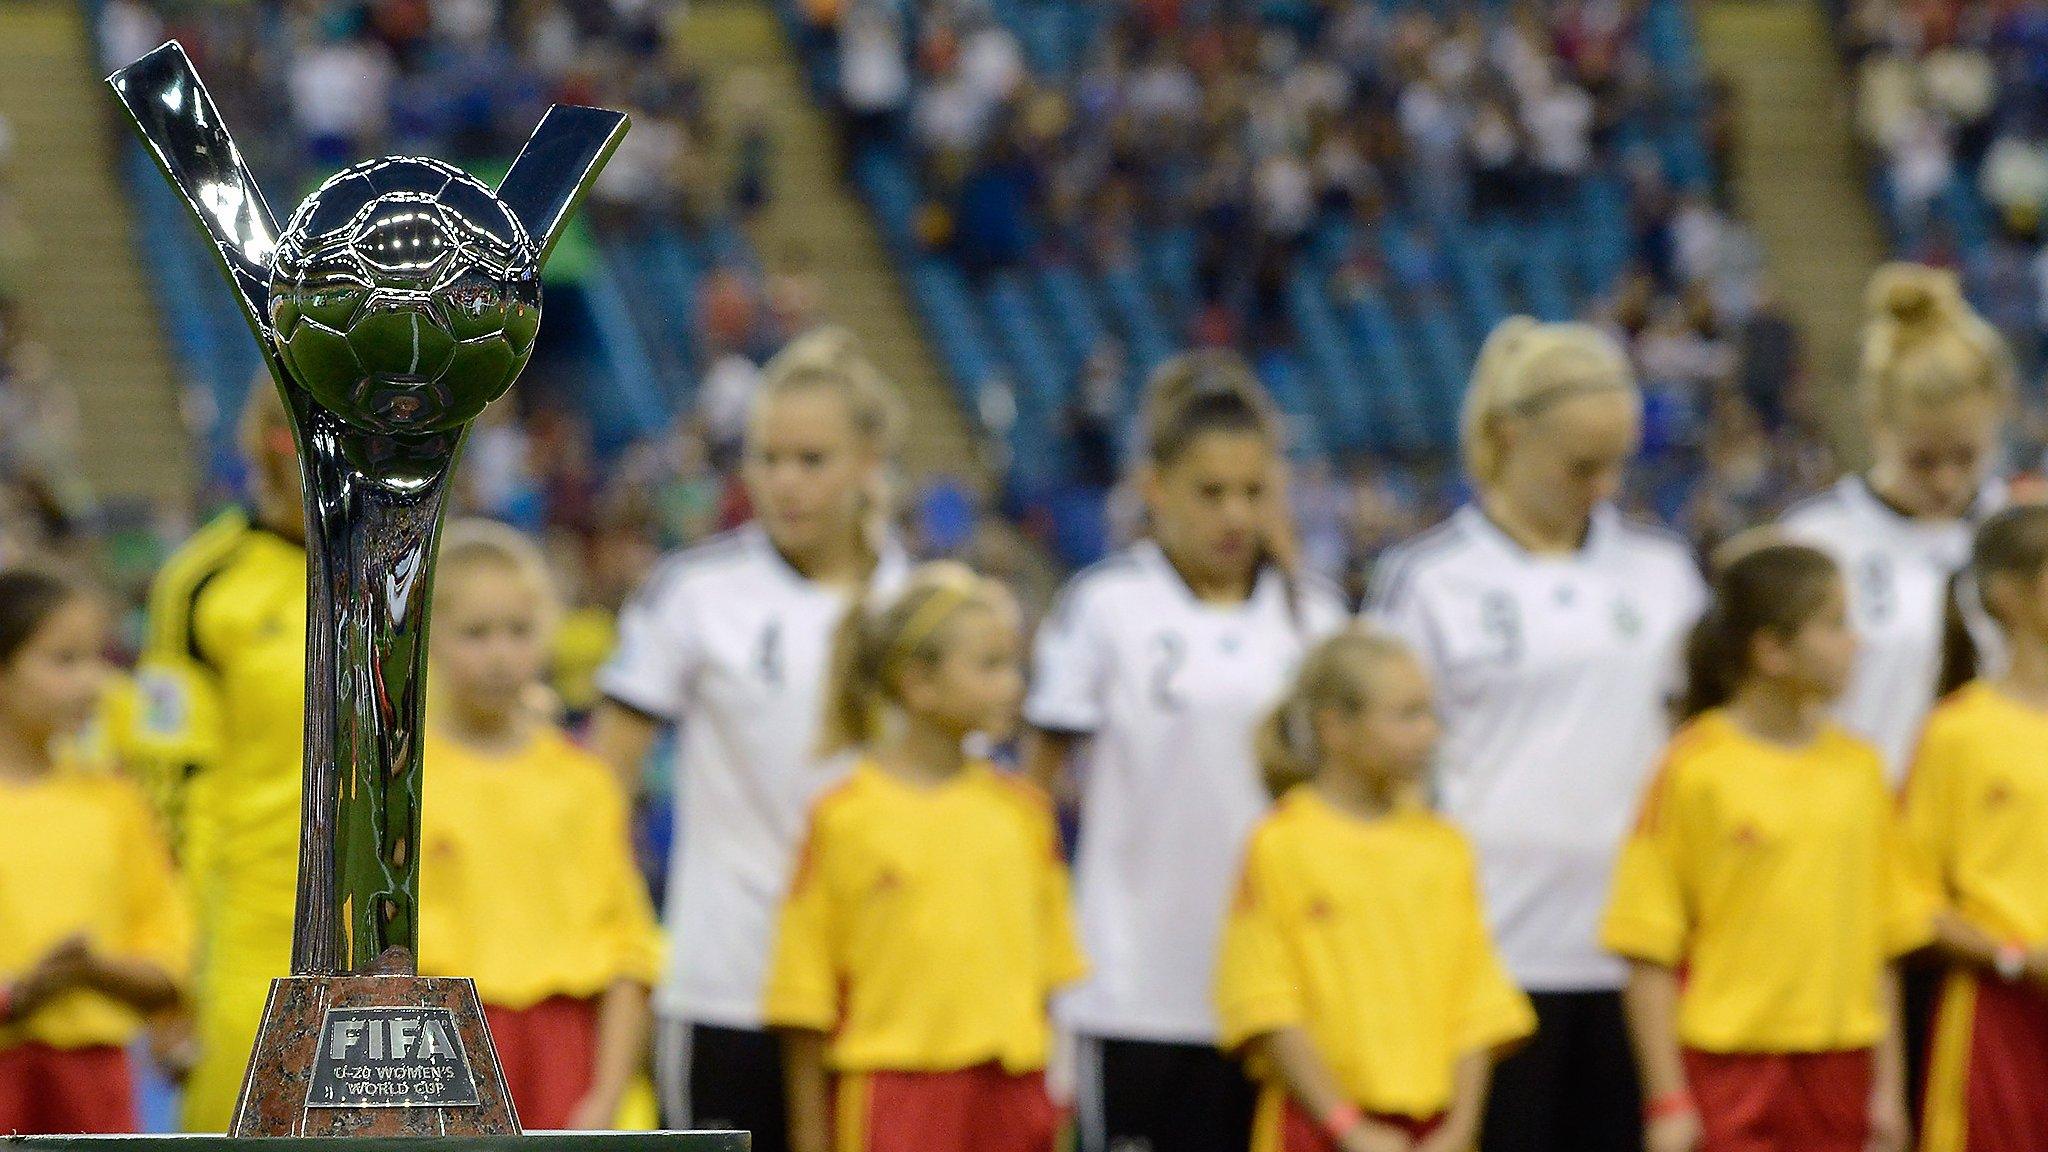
{"type": "Point", "coordinates": [401, 298]}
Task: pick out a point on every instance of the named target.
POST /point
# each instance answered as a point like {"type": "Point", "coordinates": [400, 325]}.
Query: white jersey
{"type": "Point", "coordinates": [1171, 690]}
{"type": "Point", "coordinates": [1554, 675]}
{"type": "Point", "coordinates": [1898, 570]}
{"type": "Point", "coordinates": [731, 644]}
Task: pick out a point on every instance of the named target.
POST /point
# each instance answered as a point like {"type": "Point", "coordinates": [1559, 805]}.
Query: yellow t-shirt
{"type": "Point", "coordinates": [80, 855]}
{"type": "Point", "coordinates": [1370, 935]}
{"type": "Point", "coordinates": [527, 880]}
{"type": "Point", "coordinates": [583, 642]}
{"type": "Point", "coordinates": [1977, 811]}
{"type": "Point", "coordinates": [1778, 879]}
{"type": "Point", "coordinates": [925, 928]}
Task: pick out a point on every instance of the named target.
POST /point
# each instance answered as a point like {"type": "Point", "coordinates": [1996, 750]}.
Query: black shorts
{"type": "Point", "coordinates": [1572, 1087]}
{"type": "Point", "coordinates": [726, 1079]}
{"type": "Point", "coordinates": [1141, 1096]}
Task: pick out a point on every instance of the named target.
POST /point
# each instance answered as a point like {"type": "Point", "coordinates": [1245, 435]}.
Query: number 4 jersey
{"type": "Point", "coordinates": [1169, 690]}
{"type": "Point", "coordinates": [729, 643]}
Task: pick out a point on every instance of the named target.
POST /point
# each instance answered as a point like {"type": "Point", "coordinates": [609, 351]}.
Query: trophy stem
{"type": "Point", "coordinates": [373, 515]}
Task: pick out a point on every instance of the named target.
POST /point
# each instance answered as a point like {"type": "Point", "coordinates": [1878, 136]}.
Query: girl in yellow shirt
{"type": "Point", "coordinates": [92, 934]}
{"type": "Point", "coordinates": [1977, 811]}
{"type": "Point", "coordinates": [927, 923]}
{"type": "Point", "coordinates": [527, 879]}
{"type": "Point", "coordinates": [1356, 977]}
{"type": "Point", "coordinates": [1767, 866]}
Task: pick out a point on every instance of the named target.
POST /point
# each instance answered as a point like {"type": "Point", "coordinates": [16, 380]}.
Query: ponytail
{"type": "Point", "coordinates": [875, 641]}
{"type": "Point", "coordinates": [1772, 587]}
{"type": "Point", "coordinates": [1335, 674]}
{"type": "Point", "coordinates": [1923, 344]}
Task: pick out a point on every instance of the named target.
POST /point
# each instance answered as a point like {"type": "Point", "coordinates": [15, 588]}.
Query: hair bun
{"type": "Point", "coordinates": [1913, 295]}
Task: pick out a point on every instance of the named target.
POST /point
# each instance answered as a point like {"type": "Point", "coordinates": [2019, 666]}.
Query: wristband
{"type": "Point", "coordinates": [1342, 1120]}
{"type": "Point", "coordinates": [2010, 962]}
{"type": "Point", "coordinates": [1670, 1104]}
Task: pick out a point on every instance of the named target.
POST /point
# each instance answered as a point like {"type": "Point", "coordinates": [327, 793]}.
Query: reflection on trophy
{"type": "Point", "coordinates": [402, 297]}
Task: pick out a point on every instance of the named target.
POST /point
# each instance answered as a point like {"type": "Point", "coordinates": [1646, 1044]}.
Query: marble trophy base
{"type": "Point", "coordinates": [374, 1055]}
{"type": "Point", "coordinates": [531, 1142]}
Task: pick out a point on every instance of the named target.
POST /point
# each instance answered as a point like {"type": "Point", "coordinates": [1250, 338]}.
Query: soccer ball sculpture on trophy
{"type": "Point", "coordinates": [402, 297]}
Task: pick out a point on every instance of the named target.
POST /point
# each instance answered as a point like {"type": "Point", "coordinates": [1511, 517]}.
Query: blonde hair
{"type": "Point", "coordinates": [1334, 674]}
{"type": "Point", "coordinates": [473, 545]}
{"type": "Point", "coordinates": [829, 358]}
{"type": "Point", "coordinates": [1526, 366]}
{"type": "Point", "coordinates": [877, 640]}
{"type": "Point", "coordinates": [1923, 345]}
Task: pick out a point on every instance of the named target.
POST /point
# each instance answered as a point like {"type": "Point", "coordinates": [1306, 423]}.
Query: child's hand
{"type": "Point", "coordinates": [1374, 1137]}
{"type": "Point", "coordinates": [1888, 1121]}
{"type": "Point", "coordinates": [1447, 1139]}
{"type": "Point", "coordinates": [596, 1112]}
{"type": "Point", "coordinates": [1678, 1132]}
{"type": "Point", "coordinates": [61, 969]}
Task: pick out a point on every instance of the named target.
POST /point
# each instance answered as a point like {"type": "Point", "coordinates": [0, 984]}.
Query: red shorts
{"type": "Point", "coordinates": [1987, 1069]}
{"type": "Point", "coordinates": [1281, 1124]}
{"type": "Point", "coordinates": [47, 1091]}
{"type": "Point", "coordinates": [1782, 1101]}
{"type": "Point", "coordinates": [547, 1052]}
{"type": "Point", "coordinates": [981, 1109]}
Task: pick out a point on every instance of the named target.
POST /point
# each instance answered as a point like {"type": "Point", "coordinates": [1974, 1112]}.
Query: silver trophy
{"type": "Point", "coordinates": [402, 298]}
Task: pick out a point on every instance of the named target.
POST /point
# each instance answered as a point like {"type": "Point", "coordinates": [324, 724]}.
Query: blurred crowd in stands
{"type": "Point", "coordinates": [45, 503]}
{"type": "Point", "coordinates": [1277, 132]}
{"type": "Point", "coordinates": [1951, 111]}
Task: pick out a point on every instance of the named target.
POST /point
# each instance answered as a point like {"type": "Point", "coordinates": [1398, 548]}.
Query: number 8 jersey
{"type": "Point", "coordinates": [1170, 690]}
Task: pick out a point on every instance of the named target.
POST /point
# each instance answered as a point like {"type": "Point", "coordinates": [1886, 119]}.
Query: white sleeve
{"type": "Point", "coordinates": [1070, 667]}
{"type": "Point", "coordinates": [657, 652]}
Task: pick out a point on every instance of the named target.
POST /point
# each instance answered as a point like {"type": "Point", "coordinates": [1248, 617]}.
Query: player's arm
{"type": "Point", "coordinates": [621, 1045]}
{"type": "Point", "coordinates": [623, 737]}
{"type": "Point", "coordinates": [1045, 757]}
{"type": "Point", "coordinates": [1651, 1002]}
{"type": "Point", "coordinates": [808, 1085]}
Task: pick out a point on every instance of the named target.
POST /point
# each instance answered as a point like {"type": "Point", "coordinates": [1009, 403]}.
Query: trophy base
{"type": "Point", "coordinates": [374, 1055]}
{"type": "Point", "coordinates": [532, 1142]}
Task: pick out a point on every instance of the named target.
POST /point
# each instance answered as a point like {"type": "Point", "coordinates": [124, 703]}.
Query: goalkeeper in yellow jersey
{"type": "Point", "coordinates": [220, 728]}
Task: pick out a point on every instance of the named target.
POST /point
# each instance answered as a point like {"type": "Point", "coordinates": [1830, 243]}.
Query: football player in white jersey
{"type": "Point", "coordinates": [1554, 627]}
{"type": "Point", "coordinates": [1162, 660]}
{"type": "Point", "coordinates": [729, 642]}
{"type": "Point", "coordinates": [1937, 384]}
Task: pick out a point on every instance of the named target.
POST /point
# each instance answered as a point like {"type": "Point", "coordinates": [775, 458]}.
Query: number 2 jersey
{"type": "Point", "coordinates": [1553, 677]}
{"type": "Point", "coordinates": [1169, 690]}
